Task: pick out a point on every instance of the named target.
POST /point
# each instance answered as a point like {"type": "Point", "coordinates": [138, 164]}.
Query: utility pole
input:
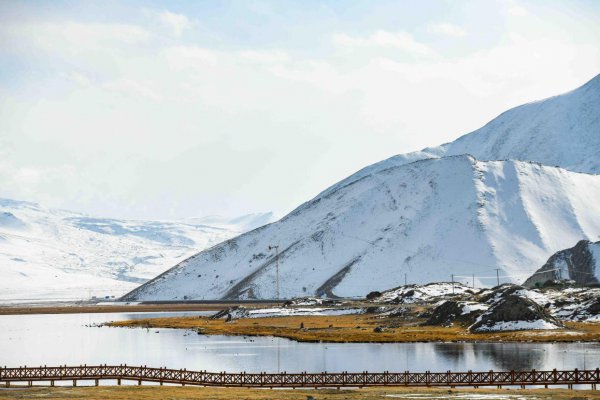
{"type": "Point", "coordinates": [498, 276]}
{"type": "Point", "coordinates": [276, 267]}
{"type": "Point", "coordinates": [452, 283]}
{"type": "Point", "coordinates": [405, 279]}
{"type": "Point", "coordinates": [473, 281]}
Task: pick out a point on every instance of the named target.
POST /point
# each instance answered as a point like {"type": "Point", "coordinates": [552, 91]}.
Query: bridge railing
{"type": "Point", "coordinates": [303, 379]}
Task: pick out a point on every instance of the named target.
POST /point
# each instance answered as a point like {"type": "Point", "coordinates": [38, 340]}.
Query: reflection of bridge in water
{"type": "Point", "coordinates": [297, 380]}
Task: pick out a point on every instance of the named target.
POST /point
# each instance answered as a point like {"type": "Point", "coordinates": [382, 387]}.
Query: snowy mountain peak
{"type": "Point", "coordinates": [563, 131]}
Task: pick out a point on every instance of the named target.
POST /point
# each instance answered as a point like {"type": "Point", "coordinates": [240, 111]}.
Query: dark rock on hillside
{"type": "Point", "coordinates": [513, 312]}
{"type": "Point", "coordinates": [495, 294]}
{"type": "Point", "coordinates": [373, 295]}
{"type": "Point", "coordinates": [452, 311]}
{"type": "Point", "coordinates": [231, 313]}
{"type": "Point", "coordinates": [576, 264]}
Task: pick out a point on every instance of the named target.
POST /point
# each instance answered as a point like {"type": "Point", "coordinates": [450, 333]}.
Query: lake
{"type": "Point", "coordinates": [35, 340]}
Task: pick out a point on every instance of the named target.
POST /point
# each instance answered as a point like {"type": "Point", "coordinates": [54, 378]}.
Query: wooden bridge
{"type": "Point", "coordinates": [297, 380]}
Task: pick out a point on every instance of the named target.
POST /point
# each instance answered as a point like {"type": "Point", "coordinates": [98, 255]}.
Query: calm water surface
{"type": "Point", "coordinates": [68, 339]}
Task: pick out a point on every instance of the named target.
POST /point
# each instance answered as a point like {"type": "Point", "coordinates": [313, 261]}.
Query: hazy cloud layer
{"type": "Point", "coordinates": [162, 113]}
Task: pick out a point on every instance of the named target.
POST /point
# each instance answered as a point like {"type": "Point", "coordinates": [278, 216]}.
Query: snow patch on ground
{"type": "Point", "coordinates": [519, 326]}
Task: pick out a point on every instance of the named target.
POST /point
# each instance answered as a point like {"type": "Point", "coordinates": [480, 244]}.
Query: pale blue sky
{"type": "Point", "coordinates": [173, 109]}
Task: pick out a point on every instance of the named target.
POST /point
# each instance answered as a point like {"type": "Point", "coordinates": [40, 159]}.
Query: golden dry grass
{"type": "Point", "coordinates": [359, 328]}
{"type": "Point", "coordinates": [181, 393]}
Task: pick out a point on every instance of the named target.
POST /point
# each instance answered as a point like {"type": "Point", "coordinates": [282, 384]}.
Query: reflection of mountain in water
{"type": "Point", "coordinates": [513, 356]}
{"type": "Point", "coordinates": [454, 354]}
{"type": "Point", "coordinates": [501, 356]}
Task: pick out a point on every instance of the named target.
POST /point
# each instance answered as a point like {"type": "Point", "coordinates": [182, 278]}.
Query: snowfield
{"type": "Point", "coordinates": [59, 255]}
{"type": "Point", "coordinates": [428, 219]}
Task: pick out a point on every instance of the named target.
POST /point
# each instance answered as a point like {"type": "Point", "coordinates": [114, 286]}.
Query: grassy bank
{"type": "Point", "coordinates": [359, 328]}
{"type": "Point", "coordinates": [174, 392]}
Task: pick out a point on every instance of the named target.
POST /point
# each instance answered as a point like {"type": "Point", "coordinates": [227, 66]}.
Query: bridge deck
{"type": "Point", "coordinates": [303, 379]}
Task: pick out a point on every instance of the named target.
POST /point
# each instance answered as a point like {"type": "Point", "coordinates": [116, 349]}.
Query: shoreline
{"type": "Point", "coordinates": [75, 308]}
{"type": "Point", "coordinates": [361, 328]}
{"type": "Point", "coordinates": [178, 392]}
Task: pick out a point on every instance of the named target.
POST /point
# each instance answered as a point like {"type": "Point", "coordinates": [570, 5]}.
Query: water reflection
{"type": "Point", "coordinates": [65, 339]}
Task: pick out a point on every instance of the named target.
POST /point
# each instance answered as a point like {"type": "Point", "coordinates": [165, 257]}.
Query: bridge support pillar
{"type": "Point", "coordinates": [499, 386]}
{"type": "Point", "coordinates": [74, 382]}
{"type": "Point", "coordinates": [97, 382]}
{"type": "Point", "coordinates": [119, 381]}
{"type": "Point", "coordinates": [570, 386]}
{"type": "Point", "coordinates": [161, 383]}
{"type": "Point", "coordinates": [546, 386]}
{"type": "Point", "coordinates": [52, 383]}
{"type": "Point", "coordinates": [29, 383]}
{"type": "Point", "coordinates": [7, 384]}
{"type": "Point", "coordinates": [139, 382]}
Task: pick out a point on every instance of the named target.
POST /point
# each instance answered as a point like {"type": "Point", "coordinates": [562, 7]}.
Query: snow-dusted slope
{"type": "Point", "coordinates": [427, 219]}
{"type": "Point", "coordinates": [52, 254]}
{"type": "Point", "coordinates": [560, 131]}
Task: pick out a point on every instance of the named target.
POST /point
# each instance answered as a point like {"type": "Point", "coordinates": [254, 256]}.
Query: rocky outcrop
{"type": "Point", "coordinates": [232, 313]}
{"type": "Point", "coordinates": [452, 311]}
{"type": "Point", "coordinates": [580, 264]}
{"type": "Point", "coordinates": [514, 312]}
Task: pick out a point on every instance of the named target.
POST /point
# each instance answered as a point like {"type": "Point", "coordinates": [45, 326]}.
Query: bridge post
{"type": "Point", "coordinates": [29, 383]}
{"type": "Point", "coordinates": [7, 384]}
{"type": "Point", "coordinates": [52, 383]}
{"type": "Point", "coordinates": [97, 383]}
{"type": "Point", "coordinates": [74, 382]}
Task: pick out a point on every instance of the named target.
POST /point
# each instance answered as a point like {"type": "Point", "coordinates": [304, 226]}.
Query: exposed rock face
{"type": "Point", "coordinates": [580, 264]}
{"type": "Point", "coordinates": [514, 312]}
{"type": "Point", "coordinates": [455, 311]}
{"type": "Point", "coordinates": [232, 313]}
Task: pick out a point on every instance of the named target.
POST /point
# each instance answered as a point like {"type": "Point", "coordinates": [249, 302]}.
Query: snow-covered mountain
{"type": "Point", "coordinates": [54, 254]}
{"type": "Point", "coordinates": [560, 131]}
{"type": "Point", "coordinates": [428, 219]}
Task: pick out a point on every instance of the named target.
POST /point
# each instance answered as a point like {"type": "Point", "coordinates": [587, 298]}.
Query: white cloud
{"type": "Point", "coordinates": [398, 40]}
{"type": "Point", "coordinates": [265, 57]}
{"type": "Point", "coordinates": [142, 122]}
{"type": "Point", "coordinates": [132, 87]}
{"type": "Point", "coordinates": [190, 57]}
{"type": "Point", "coordinates": [176, 23]}
{"type": "Point", "coordinates": [447, 29]}
{"type": "Point", "coordinates": [517, 10]}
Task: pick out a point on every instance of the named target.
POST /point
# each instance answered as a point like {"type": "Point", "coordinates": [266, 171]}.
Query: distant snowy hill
{"type": "Point", "coordinates": [241, 224]}
{"type": "Point", "coordinates": [427, 219]}
{"type": "Point", "coordinates": [54, 254]}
